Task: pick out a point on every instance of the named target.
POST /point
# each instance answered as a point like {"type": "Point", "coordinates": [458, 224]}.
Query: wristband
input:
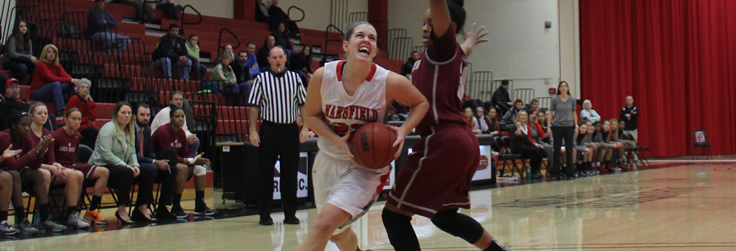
{"type": "Point", "coordinates": [191, 161]}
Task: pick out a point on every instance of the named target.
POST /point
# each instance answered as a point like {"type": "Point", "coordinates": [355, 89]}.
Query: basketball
{"type": "Point", "coordinates": [372, 145]}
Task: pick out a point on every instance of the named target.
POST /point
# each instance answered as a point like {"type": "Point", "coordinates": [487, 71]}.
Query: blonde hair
{"type": "Point", "coordinates": [44, 51]}
{"type": "Point", "coordinates": [128, 129]}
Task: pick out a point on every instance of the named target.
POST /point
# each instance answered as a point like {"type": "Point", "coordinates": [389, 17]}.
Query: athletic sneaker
{"type": "Point", "coordinates": [179, 212]}
{"type": "Point", "coordinates": [94, 216]}
{"type": "Point", "coordinates": [26, 228]}
{"type": "Point", "coordinates": [6, 229]}
{"type": "Point", "coordinates": [52, 226]}
{"type": "Point", "coordinates": [204, 212]}
{"type": "Point", "coordinates": [74, 221]}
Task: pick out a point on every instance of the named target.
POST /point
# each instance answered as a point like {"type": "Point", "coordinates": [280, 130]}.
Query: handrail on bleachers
{"type": "Point", "coordinates": [327, 39]}
{"type": "Point", "coordinates": [183, 10]}
{"type": "Point", "coordinates": [220, 46]}
{"type": "Point", "coordinates": [288, 14]}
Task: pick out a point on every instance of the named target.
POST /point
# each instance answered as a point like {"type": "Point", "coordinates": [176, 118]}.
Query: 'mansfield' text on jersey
{"type": "Point", "coordinates": [351, 112]}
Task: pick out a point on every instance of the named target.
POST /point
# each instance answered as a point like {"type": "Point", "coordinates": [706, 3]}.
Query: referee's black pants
{"type": "Point", "coordinates": [278, 140]}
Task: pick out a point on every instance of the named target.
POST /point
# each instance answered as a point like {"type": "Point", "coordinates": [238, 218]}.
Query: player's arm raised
{"type": "Point", "coordinates": [312, 109]}
{"type": "Point", "coordinates": [399, 89]}
{"type": "Point", "coordinates": [440, 17]}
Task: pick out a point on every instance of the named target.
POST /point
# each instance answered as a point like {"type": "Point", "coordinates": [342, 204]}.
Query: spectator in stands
{"type": "Point", "coordinates": [279, 134]}
{"type": "Point", "coordinates": [262, 12]}
{"type": "Point", "coordinates": [66, 140]}
{"type": "Point", "coordinates": [170, 137]}
{"type": "Point", "coordinates": [588, 112]}
{"type": "Point", "coordinates": [115, 150]}
{"type": "Point", "coordinates": [50, 82]}
{"type": "Point", "coordinates": [543, 121]}
{"type": "Point", "coordinates": [229, 50]}
{"type": "Point", "coordinates": [192, 45]}
{"type": "Point", "coordinates": [14, 103]}
{"type": "Point", "coordinates": [277, 16]}
{"type": "Point", "coordinates": [6, 193]}
{"type": "Point", "coordinates": [583, 145]}
{"type": "Point", "coordinates": [501, 99]}
{"type": "Point", "coordinates": [241, 69]}
{"type": "Point", "coordinates": [162, 117]}
{"type": "Point", "coordinates": [71, 178]}
{"type": "Point", "coordinates": [494, 127]}
{"type": "Point", "coordinates": [228, 81]}
{"type": "Point", "coordinates": [18, 57]}
{"type": "Point", "coordinates": [606, 149]}
{"type": "Point", "coordinates": [616, 147]}
{"type": "Point", "coordinates": [399, 109]}
{"type": "Point", "coordinates": [508, 119]}
{"type": "Point", "coordinates": [252, 62]}
{"type": "Point", "coordinates": [472, 121]}
{"type": "Point", "coordinates": [282, 39]}
{"type": "Point", "coordinates": [538, 134]}
{"type": "Point", "coordinates": [532, 107]}
{"type": "Point", "coordinates": [409, 65]}
{"type": "Point", "coordinates": [83, 102]}
{"type": "Point", "coordinates": [630, 115]}
{"type": "Point", "coordinates": [598, 148]}
{"type": "Point", "coordinates": [34, 178]}
{"type": "Point", "coordinates": [143, 11]}
{"type": "Point", "coordinates": [301, 61]}
{"type": "Point", "coordinates": [521, 144]}
{"type": "Point", "coordinates": [171, 50]}
{"type": "Point", "coordinates": [147, 159]}
{"type": "Point", "coordinates": [172, 10]}
{"type": "Point", "coordinates": [263, 53]}
{"type": "Point", "coordinates": [99, 25]}
{"type": "Point", "coordinates": [480, 118]}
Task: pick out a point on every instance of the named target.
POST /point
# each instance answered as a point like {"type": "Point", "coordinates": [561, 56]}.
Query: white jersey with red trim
{"type": "Point", "coordinates": [344, 112]}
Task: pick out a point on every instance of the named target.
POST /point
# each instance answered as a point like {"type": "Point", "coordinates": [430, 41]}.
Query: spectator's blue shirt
{"type": "Point", "coordinates": [100, 21]}
{"type": "Point", "coordinates": [250, 62]}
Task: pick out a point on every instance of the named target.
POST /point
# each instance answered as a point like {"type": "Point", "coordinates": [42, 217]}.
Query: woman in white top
{"type": "Point", "coordinates": [588, 112]}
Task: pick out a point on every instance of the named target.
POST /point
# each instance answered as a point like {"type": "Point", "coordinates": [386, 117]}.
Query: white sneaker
{"type": "Point", "coordinates": [74, 221]}
{"type": "Point", "coordinates": [6, 229]}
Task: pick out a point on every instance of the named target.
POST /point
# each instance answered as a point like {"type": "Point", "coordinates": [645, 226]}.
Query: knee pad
{"type": "Point", "coordinates": [459, 225]}
{"type": "Point", "coordinates": [199, 170]}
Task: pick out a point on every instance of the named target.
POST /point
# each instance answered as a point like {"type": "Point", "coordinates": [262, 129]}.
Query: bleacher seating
{"type": "Point", "coordinates": [130, 75]}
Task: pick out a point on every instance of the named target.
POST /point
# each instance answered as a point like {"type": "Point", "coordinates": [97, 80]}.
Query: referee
{"type": "Point", "coordinates": [279, 95]}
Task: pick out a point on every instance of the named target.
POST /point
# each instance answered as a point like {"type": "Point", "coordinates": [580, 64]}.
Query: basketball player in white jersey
{"type": "Point", "coordinates": [348, 94]}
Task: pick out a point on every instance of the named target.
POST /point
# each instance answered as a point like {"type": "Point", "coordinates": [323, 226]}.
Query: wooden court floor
{"type": "Point", "coordinates": [678, 207]}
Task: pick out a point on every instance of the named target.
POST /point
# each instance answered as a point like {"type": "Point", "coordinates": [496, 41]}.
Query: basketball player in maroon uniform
{"type": "Point", "coordinates": [431, 183]}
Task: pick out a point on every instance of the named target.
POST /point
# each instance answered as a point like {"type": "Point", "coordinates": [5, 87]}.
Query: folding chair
{"type": "Point", "coordinates": [505, 155]}
{"type": "Point", "coordinates": [700, 140]}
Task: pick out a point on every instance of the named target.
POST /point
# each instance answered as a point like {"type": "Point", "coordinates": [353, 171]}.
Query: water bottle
{"type": "Point", "coordinates": [528, 173]}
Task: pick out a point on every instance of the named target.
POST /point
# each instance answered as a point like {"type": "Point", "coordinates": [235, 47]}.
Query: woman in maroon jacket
{"type": "Point", "coordinates": [50, 81]}
{"type": "Point", "coordinates": [25, 167]}
{"type": "Point", "coordinates": [71, 178]}
{"type": "Point", "coordinates": [66, 140]}
{"type": "Point", "coordinates": [171, 137]}
{"type": "Point", "coordinates": [87, 107]}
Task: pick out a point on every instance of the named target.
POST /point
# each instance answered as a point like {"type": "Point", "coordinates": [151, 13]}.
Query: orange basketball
{"type": "Point", "coordinates": [372, 145]}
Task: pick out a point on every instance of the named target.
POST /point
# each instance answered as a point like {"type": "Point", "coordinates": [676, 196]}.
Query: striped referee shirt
{"type": "Point", "coordinates": [278, 95]}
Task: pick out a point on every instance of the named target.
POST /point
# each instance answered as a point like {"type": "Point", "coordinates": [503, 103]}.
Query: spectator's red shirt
{"type": "Point", "coordinates": [88, 109]}
{"type": "Point", "coordinates": [45, 74]}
